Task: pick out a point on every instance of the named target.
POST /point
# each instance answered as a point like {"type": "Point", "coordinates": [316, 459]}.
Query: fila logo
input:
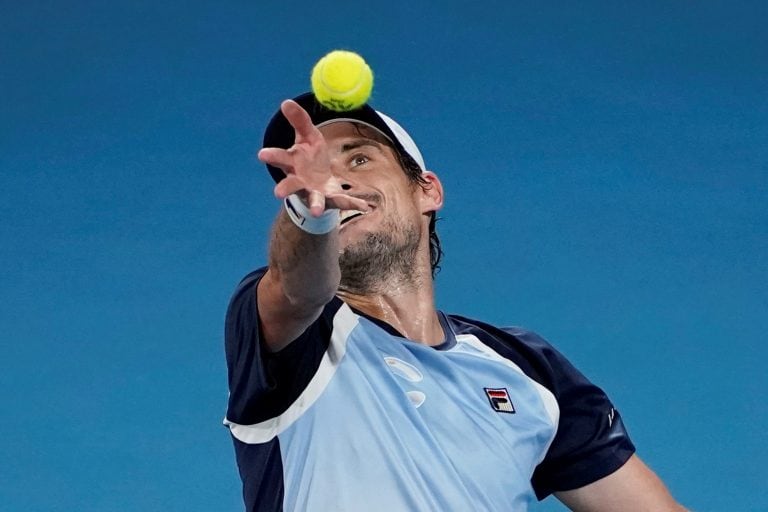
{"type": "Point", "coordinates": [499, 398]}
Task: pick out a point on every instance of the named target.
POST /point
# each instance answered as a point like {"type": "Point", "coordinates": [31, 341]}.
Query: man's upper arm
{"type": "Point", "coordinates": [591, 440]}
{"type": "Point", "coordinates": [263, 383]}
{"type": "Point", "coordinates": [631, 488]}
{"type": "Point", "coordinates": [282, 321]}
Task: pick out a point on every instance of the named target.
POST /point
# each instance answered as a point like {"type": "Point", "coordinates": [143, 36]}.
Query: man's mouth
{"type": "Point", "coordinates": [348, 215]}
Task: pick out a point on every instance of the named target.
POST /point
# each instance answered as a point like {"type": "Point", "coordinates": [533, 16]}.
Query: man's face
{"type": "Point", "coordinates": [387, 237]}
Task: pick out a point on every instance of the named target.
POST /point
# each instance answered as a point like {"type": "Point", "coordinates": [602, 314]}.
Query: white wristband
{"type": "Point", "coordinates": [301, 216]}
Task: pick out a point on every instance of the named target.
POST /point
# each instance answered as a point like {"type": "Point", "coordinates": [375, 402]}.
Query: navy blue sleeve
{"type": "Point", "coordinates": [591, 440]}
{"type": "Point", "coordinates": [262, 385]}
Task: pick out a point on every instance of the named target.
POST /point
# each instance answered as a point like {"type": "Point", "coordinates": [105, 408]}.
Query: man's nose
{"type": "Point", "coordinates": [339, 172]}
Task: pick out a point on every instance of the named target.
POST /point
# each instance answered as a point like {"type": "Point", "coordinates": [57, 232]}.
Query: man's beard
{"type": "Point", "coordinates": [381, 259]}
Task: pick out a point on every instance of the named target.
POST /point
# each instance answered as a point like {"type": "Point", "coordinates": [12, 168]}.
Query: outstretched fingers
{"type": "Point", "coordinates": [291, 184]}
{"type": "Point", "coordinates": [302, 124]}
{"type": "Point", "coordinates": [277, 157]}
{"type": "Point", "coordinates": [345, 202]}
{"type": "Point", "coordinates": [316, 202]}
{"type": "Point", "coordinates": [307, 166]}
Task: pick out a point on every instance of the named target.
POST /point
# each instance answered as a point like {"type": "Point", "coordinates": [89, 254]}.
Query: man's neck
{"type": "Point", "coordinates": [410, 310]}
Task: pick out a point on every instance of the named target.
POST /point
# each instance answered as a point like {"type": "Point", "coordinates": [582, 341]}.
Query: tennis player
{"type": "Point", "coordinates": [350, 391]}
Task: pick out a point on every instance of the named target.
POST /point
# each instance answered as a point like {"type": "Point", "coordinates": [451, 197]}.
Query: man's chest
{"type": "Point", "coordinates": [450, 422]}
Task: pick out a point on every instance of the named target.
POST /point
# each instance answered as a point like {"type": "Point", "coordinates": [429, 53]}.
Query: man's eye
{"type": "Point", "coordinates": [359, 160]}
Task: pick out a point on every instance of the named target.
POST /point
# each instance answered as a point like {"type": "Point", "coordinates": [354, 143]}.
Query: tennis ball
{"type": "Point", "coordinates": [342, 81]}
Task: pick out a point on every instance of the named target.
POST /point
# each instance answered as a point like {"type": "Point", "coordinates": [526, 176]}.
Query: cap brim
{"type": "Point", "coordinates": [280, 134]}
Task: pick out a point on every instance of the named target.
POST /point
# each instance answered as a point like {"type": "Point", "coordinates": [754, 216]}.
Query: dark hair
{"type": "Point", "coordinates": [414, 173]}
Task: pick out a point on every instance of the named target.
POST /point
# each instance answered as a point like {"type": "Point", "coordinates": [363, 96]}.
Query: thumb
{"type": "Point", "coordinates": [316, 202]}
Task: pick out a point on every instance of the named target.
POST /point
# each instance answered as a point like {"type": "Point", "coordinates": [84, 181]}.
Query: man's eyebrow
{"type": "Point", "coordinates": [354, 144]}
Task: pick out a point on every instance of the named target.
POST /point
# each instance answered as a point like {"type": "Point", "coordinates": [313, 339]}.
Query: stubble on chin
{"type": "Point", "coordinates": [380, 260]}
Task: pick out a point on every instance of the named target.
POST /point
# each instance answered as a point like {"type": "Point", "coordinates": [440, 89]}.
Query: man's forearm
{"type": "Point", "coordinates": [305, 265]}
{"type": "Point", "coordinates": [303, 276]}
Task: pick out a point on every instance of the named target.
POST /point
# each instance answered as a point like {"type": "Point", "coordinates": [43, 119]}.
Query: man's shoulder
{"type": "Point", "coordinates": [250, 279]}
{"type": "Point", "coordinates": [535, 356]}
{"type": "Point", "coordinates": [513, 335]}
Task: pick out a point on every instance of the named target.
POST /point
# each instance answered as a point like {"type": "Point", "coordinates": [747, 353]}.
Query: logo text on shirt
{"type": "Point", "coordinates": [499, 399]}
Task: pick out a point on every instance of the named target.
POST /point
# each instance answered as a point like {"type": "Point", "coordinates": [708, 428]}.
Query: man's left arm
{"type": "Point", "coordinates": [631, 488]}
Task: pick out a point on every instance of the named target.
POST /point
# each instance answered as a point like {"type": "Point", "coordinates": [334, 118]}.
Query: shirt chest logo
{"type": "Point", "coordinates": [499, 399]}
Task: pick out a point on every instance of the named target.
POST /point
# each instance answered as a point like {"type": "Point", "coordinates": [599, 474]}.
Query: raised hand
{"type": "Point", "coordinates": [307, 166]}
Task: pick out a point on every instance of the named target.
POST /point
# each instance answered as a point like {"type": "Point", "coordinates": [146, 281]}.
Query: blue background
{"type": "Point", "coordinates": [606, 167]}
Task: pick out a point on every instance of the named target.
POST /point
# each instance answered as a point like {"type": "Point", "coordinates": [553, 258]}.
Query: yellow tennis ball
{"type": "Point", "coordinates": [342, 81]}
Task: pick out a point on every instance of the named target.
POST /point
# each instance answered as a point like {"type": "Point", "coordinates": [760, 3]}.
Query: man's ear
{"type": "Point", "coordinates": [432, 193]}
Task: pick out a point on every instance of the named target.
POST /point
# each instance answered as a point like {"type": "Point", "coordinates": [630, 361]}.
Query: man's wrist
{"type": "Point", "coordinates": [300, 215]}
